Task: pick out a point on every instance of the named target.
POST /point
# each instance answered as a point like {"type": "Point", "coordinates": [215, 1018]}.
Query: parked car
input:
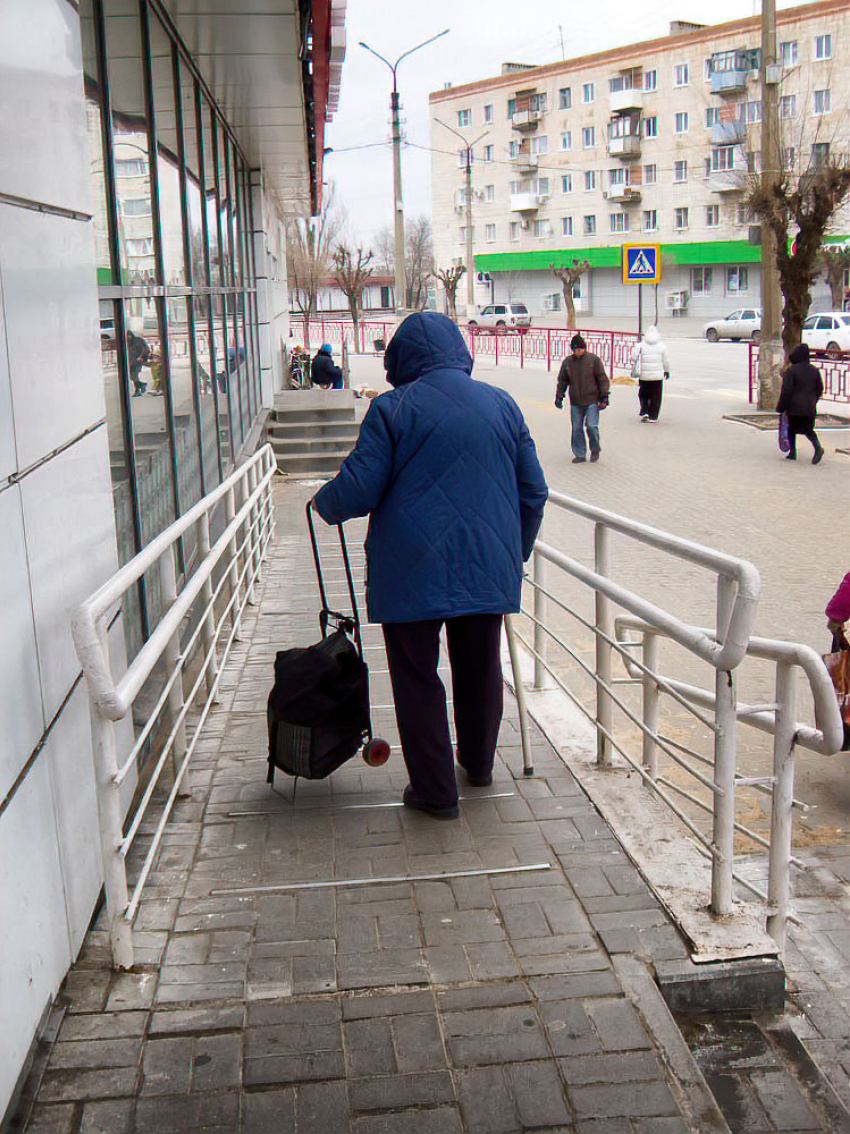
{"type": "Point", "coordinates": [745, 323]}
{"type": "Point", "coordinates": [827, 330]}
{"type": "Point", "coordinates": [502, 315]}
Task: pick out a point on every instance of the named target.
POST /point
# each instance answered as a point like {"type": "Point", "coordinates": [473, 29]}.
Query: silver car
{"type": "Point", "coordinates": [745, 323]}
{"type": "Point", "coordinates": [502, 315]}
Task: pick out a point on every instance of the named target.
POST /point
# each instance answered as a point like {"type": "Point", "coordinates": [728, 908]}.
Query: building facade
{"type": "Point", "coordinates": [150, 153]}
{"type": "Point", "coordinates": [652, 143]}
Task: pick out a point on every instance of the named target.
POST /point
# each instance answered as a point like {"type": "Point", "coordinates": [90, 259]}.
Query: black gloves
{"type": "Point", "coordinates": [559, 403]}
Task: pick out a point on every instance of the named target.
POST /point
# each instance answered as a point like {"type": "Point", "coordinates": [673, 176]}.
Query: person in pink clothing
{"type": "Point", "coordinates": [838, 608]}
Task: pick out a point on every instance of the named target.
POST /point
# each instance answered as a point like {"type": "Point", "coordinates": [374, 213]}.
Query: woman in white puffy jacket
{"type": "Point", "coordinates": [650, 366]}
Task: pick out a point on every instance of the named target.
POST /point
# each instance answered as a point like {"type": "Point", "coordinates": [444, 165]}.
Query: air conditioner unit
{"type": "Point", "coordinates": [526, 223]}
{"type": "Point", "coordinates": [676, 300]}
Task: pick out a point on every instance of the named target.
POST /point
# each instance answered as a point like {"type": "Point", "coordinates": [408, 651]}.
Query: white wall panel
{"type": "Point", "coordinates": [68, 755]}
{"type": "Point", "coordinates": [70, 534]}
{"type": "Point", "coordinates": [51, 329]}
{"type": "Point", "coordinates": [21, 716]}
{"type": "Point", "coordinates": [8, 457]}
{"type": "Point", "coordinates": [42, 128]}
{"type": "Point", "coordinates": [33, 928]}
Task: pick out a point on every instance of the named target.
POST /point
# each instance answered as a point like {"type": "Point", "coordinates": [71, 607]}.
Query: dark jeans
{"type": "Point", "coordinates": [802, 424]}
{"type": "Point", "coordinates": [413, 653]}
{"type": "Point", "coordinates": [649, 396]}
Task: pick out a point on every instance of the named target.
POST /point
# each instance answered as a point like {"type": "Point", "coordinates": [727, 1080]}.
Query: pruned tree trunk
{"type": "Point", "coordinates": [569, 275]}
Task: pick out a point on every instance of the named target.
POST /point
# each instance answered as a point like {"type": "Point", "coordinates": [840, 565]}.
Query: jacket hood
{"type": "Point", "coordinates": [425, 341]}
{"type": "Point", "coordinates": [799, 353]}
{"type": "Point", "coordinates": [651, 335]}
{"type": "Point", "coordinates": [326, 348]}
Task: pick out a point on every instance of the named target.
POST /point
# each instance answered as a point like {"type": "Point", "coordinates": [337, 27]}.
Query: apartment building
{"type": "Point", "coordinates": [652, 142]}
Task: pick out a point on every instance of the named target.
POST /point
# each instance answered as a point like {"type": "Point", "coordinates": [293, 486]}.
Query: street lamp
{"type": "Point", "coordinates": [400, 288]}
{"type": "Point", "coordinates": [470, 282]}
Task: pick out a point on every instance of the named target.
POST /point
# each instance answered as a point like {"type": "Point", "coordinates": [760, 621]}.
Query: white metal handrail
{"type": "Point", "coordinates": [237, 555]}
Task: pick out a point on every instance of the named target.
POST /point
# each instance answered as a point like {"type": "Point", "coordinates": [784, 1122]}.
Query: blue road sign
{"type": "Point", "coordinates": [641, 263]}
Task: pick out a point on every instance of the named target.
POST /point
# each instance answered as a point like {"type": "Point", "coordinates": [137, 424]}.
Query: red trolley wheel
{"type": "Point", "coordinates": [376, 752]}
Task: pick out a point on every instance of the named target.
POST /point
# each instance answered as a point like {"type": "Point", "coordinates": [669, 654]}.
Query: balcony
{"type": "Point", "coordinates": [730, 71]}
{"type": "Point", "coordinates": [526, 119]}
{"type": "Point", "coordinates": [726, 181]}
{"type": "Point", "coordinates": [622, 101]}
{"type": "Point", "coordinates": [623, 194]}
{"type": "Point", "coordinates": [625, 146]}
{"type": "Point", "coordinates": [526, 202]}
{"type": "Point", "coordinates": [525, 163]}
{"type": "Point", "coordinates": [727, 133]}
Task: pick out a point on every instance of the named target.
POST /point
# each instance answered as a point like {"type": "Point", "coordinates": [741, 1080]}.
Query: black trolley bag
{"type": "Point", "coordinates": [318, 709]}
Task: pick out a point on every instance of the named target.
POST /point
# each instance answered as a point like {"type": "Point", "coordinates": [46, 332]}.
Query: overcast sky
{"type": "Point", "coordinates": [483, 35]}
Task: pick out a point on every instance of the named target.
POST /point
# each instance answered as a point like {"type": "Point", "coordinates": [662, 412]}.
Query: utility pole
{"type": "Point", "coordinates": [771, 355]}
{"type": "Point", "coordinates": [398, 204]}
{"type": "Point", "coordinates": [469, 156]}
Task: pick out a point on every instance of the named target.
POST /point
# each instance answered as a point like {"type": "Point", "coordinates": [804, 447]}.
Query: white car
{"type": "Point", "coordinates": [827, 330]}
{"type": "Point", "coordinates": [745, 323]}
{"type": "Point", "coordinates": [502, 315]}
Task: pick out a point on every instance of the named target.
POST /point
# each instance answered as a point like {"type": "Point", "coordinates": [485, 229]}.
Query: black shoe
{"type": "Point", "coordinates": [644, 417]}
{"type": "Point", "coordinates": [477, 781]}
{"type": "Point", "coordinates": [818, 457]}
{"type": "Point", "coordinates": [411, 799]}
{"type": "Point", "coordinates": [790, 456]}
{"type": "Point", "coordinates": [579, 460]}
{"type": "Point", "coordinates": [594, 456]}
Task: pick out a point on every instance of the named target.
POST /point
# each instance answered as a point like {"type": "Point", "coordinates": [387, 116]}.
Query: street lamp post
{"type": "Point", "coordinates": [400, 287]}
{"type": "Point", "coordinates": [470, 255]}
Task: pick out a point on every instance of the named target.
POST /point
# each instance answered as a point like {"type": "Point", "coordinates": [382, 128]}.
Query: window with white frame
{"type": "Point", "coordinates": [722, 158]}
{"type": "Point", "coordinates": [566, 226]}
{"type": "Point", "coordinates": [680, 75]}
{"type": "Point", "coordinates": [745, 214]}
{"type": "Point", "coordinates": [488, 113]}
{"type": "Point", "coordinates": [542, 228]}
{"type": "Point", "coordinates": [650, 127]}
{"type": "Point", "coordinates": [490, 193]}
{"type": "Point", "coordinates": [712, 116]}
{"type": "Point", "coordinates": [821, 102]}
{"type": "Point", "coordinates": [519, 187]}
{"type": "Point", "coordinates": [540, 144]}
{"type": "Point", "coordinates": [565, 98]}
{"type": "Point", "coordinates": [680, 171]}
{"type": "Point", "coordinates": [618, 222]}
{"type": "Point", "coordinates": [619, 175]}
{"type": "Point", "coordinates": [464, 117]}
{"type": "Point", "coordinates": [463, 155]}
{"type": "Point", "coordinates": [788, 53]}
{"type": "Point", "coordinates": [789, 157]}
{"type": "Point", "coordinates": [588, 92]}
{"type": "Point", "coordinates": [820, 154]}
{"type": "Point", "coordinates": [823, 47]}
{"type": "Point", "coordinates": [712, 216]}
{"type": "Point", "coordinates": [566, 139]}
{"type": "Point", "coordinates": [680, 122]}
{"type": "Point", "coordinates": [706, 69]}
{"type": "Point", "coordinates": [650, 174]}
{"type": "Point", "coordinates": [488, 153]}
{"type": "Point", "coordinates": [754, 161]}
{"type": "Point", "coordinates": [136, 206]}
{"type": "Point", "coordinates": [540, 186]}
{"type": "Point", "coordinates": [588, 225]}
{"type": "Point", "coordinates": [680, 218]}
{"type": "Point", "coordinates": [514, 230]}
{"type": "Point", "coordinates": [566, 183]}
{"type": "Point", "coordinates": [753, 112]}
{"type": "Point", "coordinates": [701, 279]}
{"type": "Point", "coordinates": [539, 102]}
{"type": "Point", "coordinates": [737, 280]}
{"type": "Point", "coordinates": [588, 137]}
{"type": "Point", "coordinates": [130, 167]}
{"type": "Point", "coordinates": [513, 149]}
{"type": "Point", "coordinates": [650, 80]}
{"type": "Point", "coordinates": [788, 106]}
{"type": "Point", "coordinates": [589, 179]}
{"type": "Point", "coordinates": [462, 238]}
{"type": "Point", "coordinates": [511, 107]}
{"type": "Point", "coordinates": [650, 220]}
{"type": "Point", "coordinates": [490, 233]}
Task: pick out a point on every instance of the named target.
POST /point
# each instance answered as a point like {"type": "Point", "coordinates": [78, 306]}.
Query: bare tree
{"type": "Point", "coordinates": [352, 272]}
{"type": "Point", "coordinates": [309, 247]}
{"type": "Point", "coordinates": [835, 263]}
{"type": "Point", "coordinates": [569, 275]}
{"type": "Point", "coordinates": [383, 247]}
{"type": "Point", "coordinates": [450, 278]}
{"type": "Point", "coordinates": [418, 259]}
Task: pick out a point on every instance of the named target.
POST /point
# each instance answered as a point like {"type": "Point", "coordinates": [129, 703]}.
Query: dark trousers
{"type": "Point", "coordinates": [649, 396]}
{"type": "Point", "coordinates": [802, 424]}
{"type": "Point", "coordinates": [413, 653]}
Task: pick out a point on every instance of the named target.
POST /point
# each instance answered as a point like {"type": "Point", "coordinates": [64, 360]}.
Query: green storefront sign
{"type": "Point", "coordinates": [610, 256]}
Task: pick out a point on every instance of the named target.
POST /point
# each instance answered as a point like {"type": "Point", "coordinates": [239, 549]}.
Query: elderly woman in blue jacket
{"type": "Point", "coordinates": [447, 471]}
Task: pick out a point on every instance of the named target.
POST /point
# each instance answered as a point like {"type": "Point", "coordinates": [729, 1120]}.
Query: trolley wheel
{"type": "Point", "coordinates": [376, 752]}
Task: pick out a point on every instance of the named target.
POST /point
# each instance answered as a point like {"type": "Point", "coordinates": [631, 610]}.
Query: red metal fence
{"type": "Point", "coordinates": [834, 367]}
{"type": "Point", "coordinates": [506, 344]}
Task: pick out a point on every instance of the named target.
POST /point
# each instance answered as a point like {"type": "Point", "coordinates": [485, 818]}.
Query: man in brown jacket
{"type": "Point", "coordinates": [585, 375]}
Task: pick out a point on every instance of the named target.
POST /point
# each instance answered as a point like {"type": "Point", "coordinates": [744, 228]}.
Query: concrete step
{"type": "Point", "coordinates": [326, 415]}
{"type": "Point", "coordinates": [313, 464]}
{"type": "Point", "coordinates": [343, 431]}
{"type": "Point", "coordinates": [305, 445]}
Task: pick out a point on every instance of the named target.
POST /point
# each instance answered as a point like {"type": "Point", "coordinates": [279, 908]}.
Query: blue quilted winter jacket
{"type": "Point", "coordinates": [446, 469]}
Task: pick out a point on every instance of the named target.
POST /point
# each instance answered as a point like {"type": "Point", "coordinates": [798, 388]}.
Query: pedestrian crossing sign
{"type": "Point", "coordinates": [641, 263]}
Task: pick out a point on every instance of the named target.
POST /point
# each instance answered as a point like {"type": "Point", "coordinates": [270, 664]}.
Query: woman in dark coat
{"type": "Point", "coordinates": [802, 386]}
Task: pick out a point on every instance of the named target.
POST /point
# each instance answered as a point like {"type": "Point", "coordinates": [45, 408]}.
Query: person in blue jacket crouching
{"type": "Point", "coordinates": [447, 471]}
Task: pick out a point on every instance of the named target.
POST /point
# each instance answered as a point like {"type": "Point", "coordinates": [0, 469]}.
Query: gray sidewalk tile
{"type": "Point", "coordinates": [112, 1115]}
{"type": "Point", "coordinates": [439, 1120]}
{"type": "Point", "coordinates": [486, 1102]}
{"type": "Point", "coordinates": [397, 1092]}
{"type": "Point", "coordinates": [630, 1100]}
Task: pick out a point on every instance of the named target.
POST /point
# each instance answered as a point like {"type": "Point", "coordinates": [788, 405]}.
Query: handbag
{"type": "Point", "coordinates": [636, 364]}
{"type": "Point", "coordinates": [784, 434]}
{"type": "Point", "coordinates": [838, 667]}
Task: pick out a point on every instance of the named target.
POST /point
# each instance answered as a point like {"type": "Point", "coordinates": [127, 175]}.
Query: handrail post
{"type": "Point", "coordinates": [208, 629]}
{"type": "Point", "coordinates": [604, 623]}
{"type": "Point", "coordinates": [779, 871]}
{"type": "Point", "coordinates": [168, 583]}
{"type": "Point", "coordinates": [649, 755]}
{"type": "Point", "coordinates": [725, 717]}
{"type": "Point", "coordinates": [253, 532]}
{"type": "Point", "coordinates": [548, 348]}
{"type": "Point", "coordinates": [519, 689]}
{"type": "Point", "coordinates": [521, 349]}
{"type": "Point", "coordinates": [233, 571]}
{"type": "Point", "coordinates": [538, 575]}
{"type": "Point", "coordinates": [496, 339]}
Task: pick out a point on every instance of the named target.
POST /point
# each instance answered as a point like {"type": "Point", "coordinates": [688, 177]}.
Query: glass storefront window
{"type": "Point", "coordinates": [168, 161]}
